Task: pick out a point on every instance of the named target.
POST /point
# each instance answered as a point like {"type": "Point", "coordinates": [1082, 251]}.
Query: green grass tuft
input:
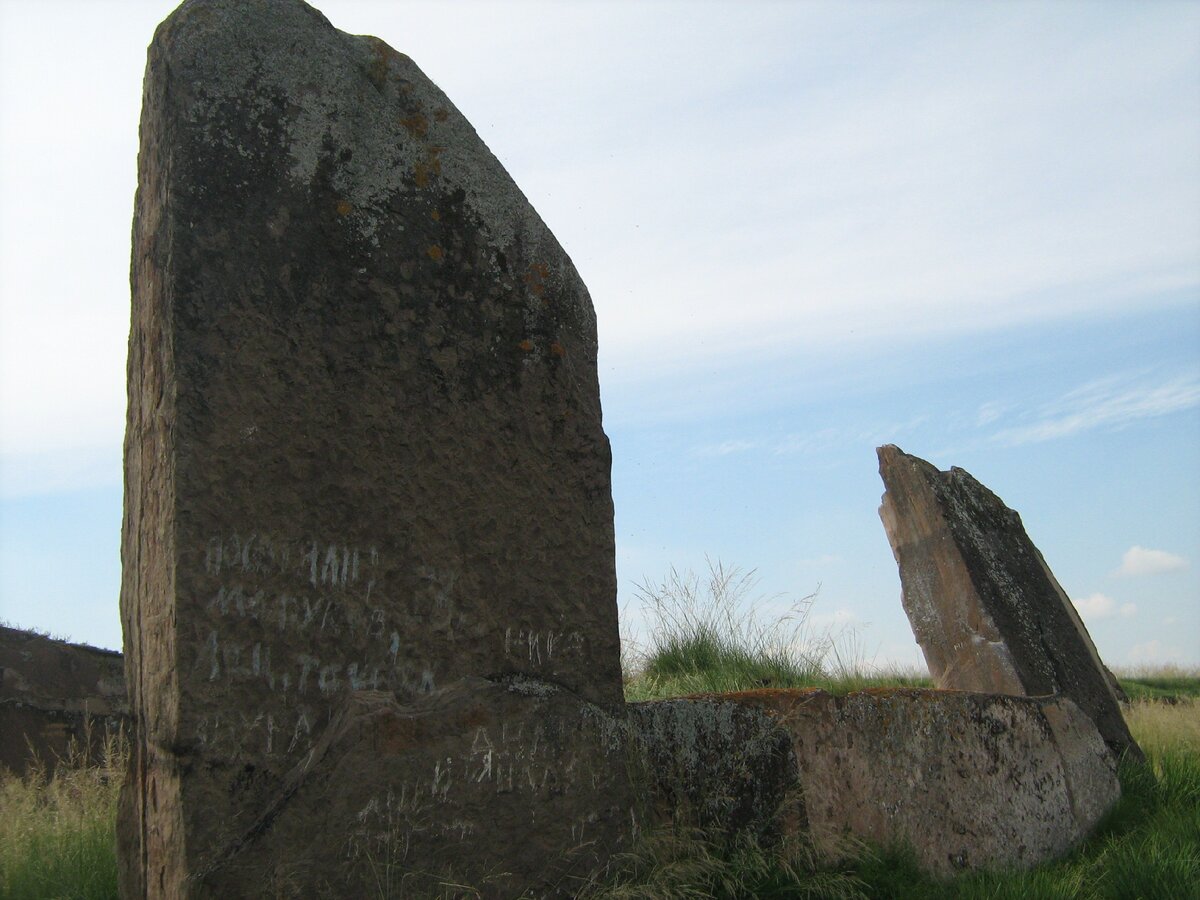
{"type": "Point", "coordinates": [1168, 689]}
{"type": "Point", "coordinates": [709, 635]}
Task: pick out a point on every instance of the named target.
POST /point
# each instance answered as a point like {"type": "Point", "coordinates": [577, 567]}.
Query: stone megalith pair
{"type": "Point", "coordinates": [369, 591]}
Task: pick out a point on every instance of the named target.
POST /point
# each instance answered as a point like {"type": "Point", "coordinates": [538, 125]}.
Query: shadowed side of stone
{"type": "Point", "coordinates": [984, 606]}
{"type": "Point", "coordinates": [57, 699]}
{"type": "Point", "coordinates": [476, 787]}
{"type": "Point", "coordinates": [711, 764]}
{"type": "Point", "coordinates": [968, 780]}
{"type": "Point", "coordinates": [364, 447]}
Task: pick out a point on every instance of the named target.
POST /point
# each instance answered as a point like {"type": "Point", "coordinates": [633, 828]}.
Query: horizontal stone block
{"type": "Point", "coordinates": [969, 780]}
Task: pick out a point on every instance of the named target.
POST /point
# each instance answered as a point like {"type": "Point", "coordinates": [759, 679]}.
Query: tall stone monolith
{"type": "Point", "coordinates": [984, 606]}
{"type": "Point", "coordinates": [368, 588]}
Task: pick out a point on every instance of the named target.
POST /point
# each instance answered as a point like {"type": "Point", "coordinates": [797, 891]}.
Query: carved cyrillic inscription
{"type": "Point", "coordinates": [266, 592]}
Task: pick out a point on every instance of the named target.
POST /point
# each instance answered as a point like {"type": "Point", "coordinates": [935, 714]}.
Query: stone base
{"type": "Point", "coordinates": [969, 781]}
{"type": "Point", "coordinates": [513, 788]}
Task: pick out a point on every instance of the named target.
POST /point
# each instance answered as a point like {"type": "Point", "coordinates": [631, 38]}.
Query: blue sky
{"type": "Point", "coordinates": [972, 230]}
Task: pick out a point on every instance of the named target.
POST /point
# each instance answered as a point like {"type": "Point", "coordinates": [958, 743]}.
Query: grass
{"type": "Point", "coordinates": [58, 831]}
{"type": "Point", "coordinates": [1170, 683]}
{"type": "Point", "coordinates": [707, 636]}
{"type": "Point", "coordinates": [676, 864]}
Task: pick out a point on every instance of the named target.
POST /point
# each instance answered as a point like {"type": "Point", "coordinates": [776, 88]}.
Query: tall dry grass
{"type": "Point", "coordinates": [58, 829]}
{"type": "Point", "coordinates": [1160, 726]}
{"type": "Point", "coordinates": [710, 634]}
{"type": "Point", "coordinates": [706, 633]}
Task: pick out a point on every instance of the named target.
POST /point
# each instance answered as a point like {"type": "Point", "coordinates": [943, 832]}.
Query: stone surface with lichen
{"type": "Point", "coordinates": [364, 448]}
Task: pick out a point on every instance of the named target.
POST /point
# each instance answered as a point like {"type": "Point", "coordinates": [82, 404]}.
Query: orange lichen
{"type": "Point", "coordinates": [557, 349]}
{"type": "Point", "coordinates": [917, 693]}
{"type": "Point", "coordinates": [427, 167]}
{"type": "Point", "coordinates": [377, 69]}
{"type": "Point", "coordinates": [416, 124]}
{"type": "Point", "coordinates": [526, 345]}
{"type": "Point", "coordinates": [436, 216]}
{"type": "Point", "coordinates": [436, 253]}
{"type": "Point", "coordinates": [343, 208]}
{"type": "Point", "coordinates": [535, 278]}
{"type": "Point", "coordinates": [774, 701]}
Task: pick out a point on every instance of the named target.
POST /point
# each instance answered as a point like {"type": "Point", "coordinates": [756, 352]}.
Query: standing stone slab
{"type": "Point", "coordinates": [364, 447]}
{"type": "Point", "coordinates": [984, 606]}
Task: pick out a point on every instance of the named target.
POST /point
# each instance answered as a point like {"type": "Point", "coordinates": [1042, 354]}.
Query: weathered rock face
{"type": "Point", "coordinates": [364, 447]}
{"type": "Point", "coordinates": [968, 780]}
{"type": "Point", "coordinates": [56, 699]}
{"type": "Point", "coordinates": [476, 785]}
{"type": "Point", "coordinates": [714, 764]}
{"type": "Point", "coordinates": [984, 606]}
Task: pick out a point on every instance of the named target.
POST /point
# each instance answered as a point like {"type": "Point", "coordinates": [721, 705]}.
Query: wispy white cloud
{"type": "Point", "coordinates": [725, 448]}
{"type": "Point", "coordinates": [1111, 403]}
{"type": "Point", "coordinates": [836, 618]}
{"type": "Point", "coordinates": [990, 412]}
{"type": "Point", "coordinates": [825, 559]}
{"type": "Point", "coordinates": [825, 439]}
{"type": "Point", "coordinates": [819, 440]}
{"type": "Point", "coordinates": [1102, 606]}
{"type": "Point", "coordinates": [1143, 561]}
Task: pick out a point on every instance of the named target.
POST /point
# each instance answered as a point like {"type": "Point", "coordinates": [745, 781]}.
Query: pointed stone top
{"type": "Point", "coordinates": [891, 456]}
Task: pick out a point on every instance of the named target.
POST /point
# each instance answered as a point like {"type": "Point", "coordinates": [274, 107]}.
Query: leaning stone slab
{"type": "Point", "coordinates": [968, 780]}
{"type": "Point", "coordinates": [984, 606]}
{"type": "Point", "coordinates": [364, 447]}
